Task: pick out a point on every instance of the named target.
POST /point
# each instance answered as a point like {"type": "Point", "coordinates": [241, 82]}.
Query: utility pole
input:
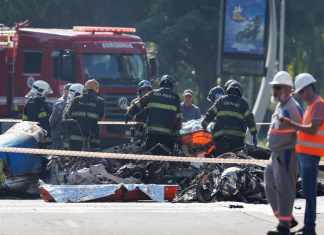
{"type": "Point", "coordinates": [282, 34]}
{"type": "Point", "coordinates": [264, 95]}
{"type": "Point", "coordinates": [220, 38]}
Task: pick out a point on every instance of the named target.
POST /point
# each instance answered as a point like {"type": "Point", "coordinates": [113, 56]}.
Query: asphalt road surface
{"type": "Point", "coordinates": [33, 217]}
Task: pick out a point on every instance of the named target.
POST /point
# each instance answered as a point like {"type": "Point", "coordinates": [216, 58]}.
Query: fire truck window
{"type": "Point", "coordinates": [114, 67]}
{"type": "Point", "coordinates": [32, 61]}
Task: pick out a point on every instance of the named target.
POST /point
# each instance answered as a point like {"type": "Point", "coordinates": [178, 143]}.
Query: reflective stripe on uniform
{"type": "Point", "coordinates": [137, 103]}
{"type": "Point", "coordinates": [24, 117]}
{"type": "Point", "coordinates": [247, 113]}
{"type": "Point", "coordinates": [93, 115]}
{"type": "Point", "coordinates": [285, 218]}
{"type": "Point", "coordinates": [311, 144]}
{"type": "Point", "coordinates": [229, 132]}
{"type": "Point", "coordinates": [282, 131]}
{"type": "Point", "coordinates": [42, 115]}
{"type": "Point", "coordinates": [78, 114]}
{"type": "Point", "coordinates": [160, 129]}
{"type": "Point", "coordinates": [91, 104]}
{"type": "Point", "coordinates": [85, 114]}
{"type": "Point", "coordinates": [310, 149]}
{"type": "Point", "coordinates": [162, 106]}
{"type": "Point", "coordinates": [95, 141]}
{"type": "Point", "coordinates": [253, 129]}
{"type": "Point", "coordinates": [230, 114]}
{"type": "Point", "coordinates": [76, 138]}
{"type": "Point", "coordinates": [66, 145]}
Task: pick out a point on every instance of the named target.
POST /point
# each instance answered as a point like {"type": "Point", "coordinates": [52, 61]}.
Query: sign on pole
{"type": "Point", "coordinates": [245, 33]}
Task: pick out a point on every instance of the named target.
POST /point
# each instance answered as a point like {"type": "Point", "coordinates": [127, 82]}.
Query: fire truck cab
{"type": "Point", "coordinates": [113, 56]}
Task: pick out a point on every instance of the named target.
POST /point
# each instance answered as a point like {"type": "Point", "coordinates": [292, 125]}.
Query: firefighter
{"type": "Point", "coordinates": [37, 109]}
{"type": "Point", "coordinates": [143, 88]}
{"type": "Point", "coordinates": [55, 119]}
{"type": "Point", "coordinates": [163, 119]}
{"type": "Point", "coordinates": [232, 116]}
{"type": "Point", "coordinates": [86, 110]}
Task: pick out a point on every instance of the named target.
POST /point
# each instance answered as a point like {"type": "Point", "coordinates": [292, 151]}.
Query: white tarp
{"type": "Point", "coordinates": [83, 193]}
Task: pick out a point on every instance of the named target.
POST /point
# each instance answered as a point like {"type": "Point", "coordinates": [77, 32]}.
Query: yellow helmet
{"type": "Point", "coordinates": [92, 84]}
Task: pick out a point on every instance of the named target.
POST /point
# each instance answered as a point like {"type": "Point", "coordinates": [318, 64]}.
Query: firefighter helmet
{"type": "Point", "coordinates": [167, 81]}
{"type": "Point", "coordinates": [39, 88]}
{"type": "Point", "coordinates": [144, 84]}
{"type": "Point", "coordinates": [75, 90]}
{"type": "Point", "coordinates": [234, 89]}
{"type": "Point", "coordinates": [229, 82]}
{"type": "Point", "coordinates": [215, 93]}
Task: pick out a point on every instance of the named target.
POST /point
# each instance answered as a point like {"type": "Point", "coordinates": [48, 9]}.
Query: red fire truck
{"type": "Point", "coordinates": [113, 56]}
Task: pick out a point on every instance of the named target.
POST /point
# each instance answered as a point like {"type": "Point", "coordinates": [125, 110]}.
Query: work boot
{"type": "Point", "coordinates": [280, 230]}
{"type": "Point", "coordinates": [304, 231]}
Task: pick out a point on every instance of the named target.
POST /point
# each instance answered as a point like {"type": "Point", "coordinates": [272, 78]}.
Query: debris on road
{"type": "Point", "coordinates": [107, 192]}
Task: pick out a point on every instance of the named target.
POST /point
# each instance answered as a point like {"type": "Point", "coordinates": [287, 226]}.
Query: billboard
{"type": "Point", "coordinates": [245, 27]}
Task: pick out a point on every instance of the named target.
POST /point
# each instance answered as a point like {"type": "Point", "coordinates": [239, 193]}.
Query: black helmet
{"type": "Point", "coordinates": [234, 89]}
{"type": "Point", "coordinates": [215, 93]}
{"type": "Point", "coordinates": [229, 82]}
{"type": "Point", "coordinates": [167, 81]}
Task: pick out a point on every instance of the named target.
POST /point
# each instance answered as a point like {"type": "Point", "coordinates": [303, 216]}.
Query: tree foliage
{"type": "Point", "coordinates": [185, 31]}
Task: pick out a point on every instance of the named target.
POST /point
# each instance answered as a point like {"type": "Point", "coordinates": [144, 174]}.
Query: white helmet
{"type": "Point", "coordinates": [282, 78]}
{"type": "Point", "coordinates": [75, 90]}
{"type": "Point", "coordinates": [39, 88]}
{"type": "Point", "coordinates": [303, 80]}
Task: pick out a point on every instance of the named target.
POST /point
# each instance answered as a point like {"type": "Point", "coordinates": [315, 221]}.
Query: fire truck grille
{"type": "Point", "coordinates": [112, 109]}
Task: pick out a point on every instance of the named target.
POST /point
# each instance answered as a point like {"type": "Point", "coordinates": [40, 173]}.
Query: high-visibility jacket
{"type": "Point", "coordinates": [311, 144]}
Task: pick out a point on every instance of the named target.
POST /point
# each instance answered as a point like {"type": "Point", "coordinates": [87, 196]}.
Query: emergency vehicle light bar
{"type": "Point", "coordinates": [91, 29]}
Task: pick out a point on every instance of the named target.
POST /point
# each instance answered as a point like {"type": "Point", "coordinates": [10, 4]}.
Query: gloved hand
{"type": "Point", "coordinates": [254, 140]}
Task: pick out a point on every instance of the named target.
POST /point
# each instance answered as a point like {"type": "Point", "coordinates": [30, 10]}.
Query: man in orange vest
{"type": "Point", "coordinates": [310, 145]}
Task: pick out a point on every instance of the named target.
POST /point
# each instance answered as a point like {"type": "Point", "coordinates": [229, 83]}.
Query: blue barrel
{"type": "Point", "coordinates": [20, 164]}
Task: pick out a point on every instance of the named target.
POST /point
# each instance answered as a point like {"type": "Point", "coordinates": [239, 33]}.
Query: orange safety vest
{"type": "Point", "coordinates": [311, 144]}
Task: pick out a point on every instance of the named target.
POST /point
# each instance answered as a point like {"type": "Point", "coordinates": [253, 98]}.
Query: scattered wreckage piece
{"type": "Point", "coordinates": [226, 182]}
{"type": "Point", "coordinates": [107, 192]}
{"type": "Point", "coordinates": [20, 172]}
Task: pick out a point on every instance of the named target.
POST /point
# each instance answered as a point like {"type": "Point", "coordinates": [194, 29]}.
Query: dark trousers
{"type": "Point", "coordinates": [308, 166]}
{"type": "Point", "coordinates": [153, 139]}
{"type": "Point", "coordinates": [225, 144]}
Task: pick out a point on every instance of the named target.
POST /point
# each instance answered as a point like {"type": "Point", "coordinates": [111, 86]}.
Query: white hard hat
{"type": "Point", "coordinates": [303, 80]}
{"type": "Point", "coordinates": [282, 78]}
{"type": "Point", "coordinates": [75, 89]}
{"type": "Point", "coordinates": [39, 88]}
